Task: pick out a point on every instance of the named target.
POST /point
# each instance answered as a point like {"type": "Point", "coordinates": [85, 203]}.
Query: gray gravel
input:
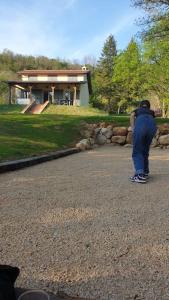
{"type": "Point", "coordinates": [78, 225]}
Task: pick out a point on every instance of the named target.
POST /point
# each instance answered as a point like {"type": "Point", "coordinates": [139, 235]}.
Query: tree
{"type": "Point", "coordinates": [104, 73]}
{"type": "Point", "coordinates": [156, 55]}
{"type": "Point", "coordinates": [156, 24]}
{"type": "Point", "coordinates": [155, 38]}
{"type": "Point", "coordinates": [151, 4]}
{"type": "Point", "coordinates": [128, 75]}
{"type": "Point", "coordinates": [4, 76]}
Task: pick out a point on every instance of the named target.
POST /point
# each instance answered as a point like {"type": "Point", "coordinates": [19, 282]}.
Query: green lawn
{"type": "Point", "coordinates": [57, 128]}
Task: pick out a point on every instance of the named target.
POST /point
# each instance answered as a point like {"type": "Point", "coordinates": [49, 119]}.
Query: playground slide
{"type": "Point", "coordinates": [34, 108]}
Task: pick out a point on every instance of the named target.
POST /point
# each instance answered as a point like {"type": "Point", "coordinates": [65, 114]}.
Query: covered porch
{"type": "Point", "coordinates": [59, 93]}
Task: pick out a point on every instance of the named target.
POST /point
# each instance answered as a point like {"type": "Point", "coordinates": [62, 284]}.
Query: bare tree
{"type": "Point", "coordinates": [151, 4]}
{"type": "Point", "coordinates": [90, 60]}
{"type": "Point", "coordinates": [156, 22]}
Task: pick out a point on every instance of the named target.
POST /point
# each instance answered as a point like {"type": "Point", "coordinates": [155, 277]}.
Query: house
{"type": "Point", "coordinates": [70, 87]}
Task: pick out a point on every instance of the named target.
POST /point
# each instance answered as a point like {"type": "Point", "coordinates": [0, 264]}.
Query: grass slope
{"type": "Point", "coordinates": [28, 135]}
{"type": "Point", "coordinates": [57, 128]}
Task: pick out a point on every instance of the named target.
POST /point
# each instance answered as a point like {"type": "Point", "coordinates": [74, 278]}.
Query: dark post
{"type": "Point", "coordinates": [10, 94]}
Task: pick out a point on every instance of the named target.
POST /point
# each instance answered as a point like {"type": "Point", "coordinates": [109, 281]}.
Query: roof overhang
{"type": "Point", "coordinates": [27, 83]}
{"type": "Point", "coordinates": [52, 72]}
{"type": "Point", "coordinates": [24, 84]}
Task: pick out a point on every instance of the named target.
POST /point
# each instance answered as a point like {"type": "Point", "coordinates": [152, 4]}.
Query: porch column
{"type": "Point", "coordinates": [53, 94]}
{"type": "Point", "coordinates": [74, 96]}
{"type": "Point", "coordinates": [30, 92]}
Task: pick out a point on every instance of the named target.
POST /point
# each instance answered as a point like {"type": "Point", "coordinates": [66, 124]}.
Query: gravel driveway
{"type": "Point", "coordinates": [78, 225]}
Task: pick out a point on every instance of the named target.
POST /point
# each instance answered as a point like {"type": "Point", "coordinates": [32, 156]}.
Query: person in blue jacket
{"type": "Point", "coordinates": [144, 128]}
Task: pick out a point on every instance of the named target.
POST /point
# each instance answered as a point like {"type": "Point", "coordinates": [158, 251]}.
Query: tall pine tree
{"type": "Point", "coordinates": [104, 73]}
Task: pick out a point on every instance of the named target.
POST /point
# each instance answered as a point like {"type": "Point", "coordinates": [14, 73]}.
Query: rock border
{"type": "Point", "coordinates": [109, 133]}
{"type": "Point", "coordinates": [94, 136]}
{"type": "Point", "coordinates": [31, 161]}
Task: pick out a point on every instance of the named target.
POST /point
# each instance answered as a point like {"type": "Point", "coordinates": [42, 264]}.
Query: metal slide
{"type": "Point", "coordinates": [34, 108]}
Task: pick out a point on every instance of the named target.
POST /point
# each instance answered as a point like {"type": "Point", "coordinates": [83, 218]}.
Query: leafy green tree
{"type": "Point", "coordinates": [156, 44]}
{"type": "Point", "coordinates": [156, 55]}
{"type": "Point", "coordinates": [4, 76]}
{"type": "Point", "coordinates": [128, 77]}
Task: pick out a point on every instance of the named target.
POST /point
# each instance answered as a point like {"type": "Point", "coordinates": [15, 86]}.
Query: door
{"type": "Point", "coordinates": [45, 96]}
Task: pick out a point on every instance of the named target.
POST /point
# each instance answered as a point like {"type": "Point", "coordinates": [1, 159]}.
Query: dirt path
{"type": "Point", "coordinates": [78, 225]}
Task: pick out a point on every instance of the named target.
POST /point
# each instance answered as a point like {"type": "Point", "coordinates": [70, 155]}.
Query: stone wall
{"type": "Point", "coordinates": [107, 133]}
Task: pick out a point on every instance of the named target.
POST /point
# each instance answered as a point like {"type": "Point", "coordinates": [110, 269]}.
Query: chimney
{"type": "Point", "coordinates": [84, 68]}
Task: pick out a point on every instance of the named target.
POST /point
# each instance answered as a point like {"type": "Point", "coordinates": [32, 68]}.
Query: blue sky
{"type": "Point", "coordinates": [68, 29]}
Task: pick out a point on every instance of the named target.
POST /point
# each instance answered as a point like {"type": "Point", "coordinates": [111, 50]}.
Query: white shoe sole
{"type": "Point", "coordinates": [137, 180]}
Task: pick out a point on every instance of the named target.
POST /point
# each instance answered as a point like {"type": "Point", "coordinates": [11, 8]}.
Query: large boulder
{"type": "Point", "coordinates": [84, 145]}
{"type": "Point", "coordinates": [94, 125]}
{"type": "Point", "coordinates": [107, 132]}
{"type": "Point", "coordinates": [157, 135]}
{"type": "Point", "coordinates": [91, 141]}
{"type": "Point", "coordinates": [103, 125]}
{"type": "Point", "coordinates": [97, 130]}
{"type": "Point", "coordinates": [100, 139]}
{"type": "Point", "coordinates": [111, 126]}
{"type": "Point", "coordinates": [103, 130]}
{"type": "Point", "coordinates": [118, 139]}
{"type": "Point", "coordinates": [164, 140]}
{"type": "Point", "coordinates": [129, 138]}
{"type": "Point", "coordinates": [163, 129]}
{"type": "Point", "coordinates": [155, 142]}
{"type": "Point", "coordinates": [120, 131]}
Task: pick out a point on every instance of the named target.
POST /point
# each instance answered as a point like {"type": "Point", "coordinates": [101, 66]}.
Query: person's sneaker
{"type": "Point", "coordinates": [146, 175]}
{"type": "Point", "coordinates": [140, 178]}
